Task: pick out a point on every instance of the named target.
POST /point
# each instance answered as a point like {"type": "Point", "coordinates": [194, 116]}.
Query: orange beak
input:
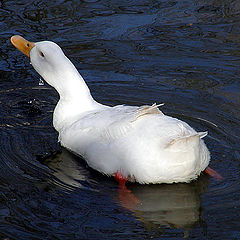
{"type": "Point", "coordinates": [22, 44]}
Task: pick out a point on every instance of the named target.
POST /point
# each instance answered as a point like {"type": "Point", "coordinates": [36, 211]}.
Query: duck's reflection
{"type": "Point", "coordinates": [165, 205]}
{"type": "Point", "coordinates": [170, 205]}
{"type": "Point", "coordinates": [66, 168]}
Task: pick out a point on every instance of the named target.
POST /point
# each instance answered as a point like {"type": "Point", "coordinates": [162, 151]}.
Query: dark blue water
{"type": "Point", "coordinates": [182, 53]}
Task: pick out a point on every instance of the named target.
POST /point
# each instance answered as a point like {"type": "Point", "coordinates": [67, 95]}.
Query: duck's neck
{"type": "Point", "coordinates": [75, 97]}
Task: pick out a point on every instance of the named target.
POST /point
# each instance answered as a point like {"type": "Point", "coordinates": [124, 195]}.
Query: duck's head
{"type": "Point", "coordinates": [49, 61]}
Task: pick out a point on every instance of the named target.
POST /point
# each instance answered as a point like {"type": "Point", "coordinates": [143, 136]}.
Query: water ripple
{"type": "Point", "coordinates": [181, 53]}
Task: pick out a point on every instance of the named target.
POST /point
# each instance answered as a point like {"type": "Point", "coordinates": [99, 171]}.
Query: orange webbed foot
{"type": "Point", "coordinates": [213, 173]}
{"type": "Point", "coordinates": [126, 197]}
{"type": "Point", "coordinates": [120, 179]}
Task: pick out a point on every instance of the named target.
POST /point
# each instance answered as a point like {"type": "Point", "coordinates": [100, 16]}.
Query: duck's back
{"type": "Point", "coordinates": [141, 142]}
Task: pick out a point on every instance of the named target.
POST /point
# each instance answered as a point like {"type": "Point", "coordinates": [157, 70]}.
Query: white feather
{"type": "Point", "coordinates": [141, 142]}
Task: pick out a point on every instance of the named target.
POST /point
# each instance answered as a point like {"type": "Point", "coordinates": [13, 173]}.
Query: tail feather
{"type": "Point", "coordinates": [203, 134]}
{"type": "Point", "coordinates": [147, 110]}
{"type": "Point", "coordinates": [182, 143]}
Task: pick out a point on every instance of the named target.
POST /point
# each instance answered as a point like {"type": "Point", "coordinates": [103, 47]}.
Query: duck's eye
{"type": "Point", "coordinates": [41, 54]}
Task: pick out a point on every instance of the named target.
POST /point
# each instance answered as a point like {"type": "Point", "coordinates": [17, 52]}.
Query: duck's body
{"type": "Point", "coordinates": [141, 143]}
{"type": "Point", "coordinates": [149, 148]}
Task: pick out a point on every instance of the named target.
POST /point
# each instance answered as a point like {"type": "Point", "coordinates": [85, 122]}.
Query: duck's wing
{"type": "Point", "coordinates": [113, 123]}
{"type": "Point", "coordinates": [124, 119]}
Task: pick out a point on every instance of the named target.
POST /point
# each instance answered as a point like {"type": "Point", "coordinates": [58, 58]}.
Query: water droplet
{"type": "Point", "coordinates": [41, 82]}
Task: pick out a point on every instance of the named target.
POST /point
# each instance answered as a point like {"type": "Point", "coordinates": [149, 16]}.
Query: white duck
{"type": "Point", "coordinates": [135, 143]}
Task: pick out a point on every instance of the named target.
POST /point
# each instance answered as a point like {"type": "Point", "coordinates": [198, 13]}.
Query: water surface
{"type": "Point", "coordinates": [181, 53]}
